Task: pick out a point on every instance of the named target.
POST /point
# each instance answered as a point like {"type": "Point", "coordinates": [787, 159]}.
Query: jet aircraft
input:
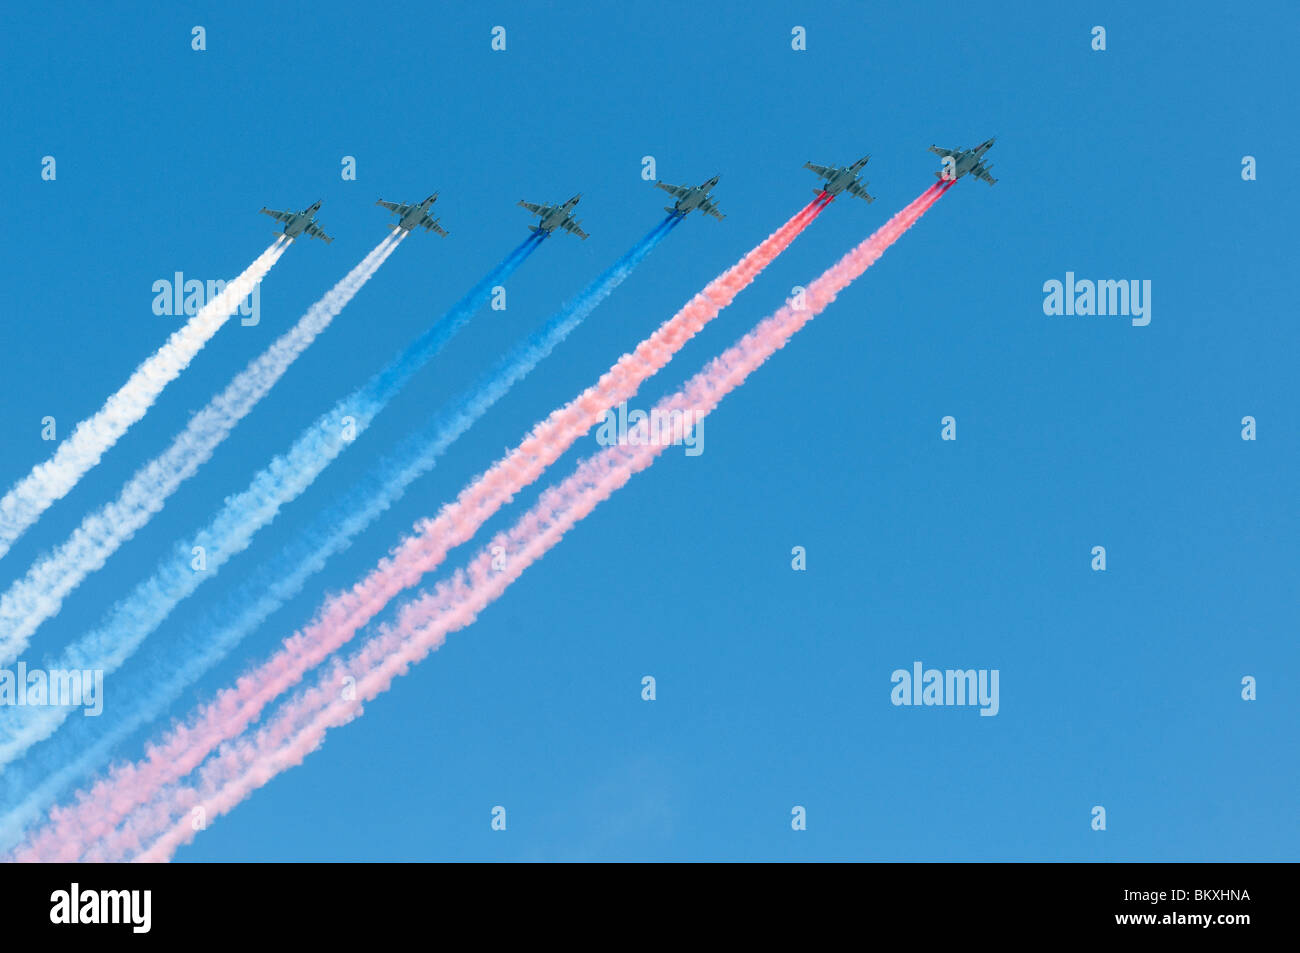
{"type": "Point", "coordinates": [842, 179]}
{"type": "Point", "coordinates": [414, 216]}
{"type": "Point", "coordinates": [690, 197]}
{"type": "Point", "coordinates": [298, 223]}
{"type": "Point", "coordinates": [556, 216]}
{"type": "Point", "coordinates": [966, 160]}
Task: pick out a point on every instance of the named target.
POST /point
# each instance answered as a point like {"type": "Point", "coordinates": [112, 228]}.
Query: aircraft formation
{"type": "Point", "coordinates": [835, 179]}
{"type": "Point", "coordinates": [142, 797]}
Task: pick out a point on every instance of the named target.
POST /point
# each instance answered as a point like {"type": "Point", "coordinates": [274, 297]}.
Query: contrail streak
{"type": "Point", "coordinates": [131, 620]}
{"type": "Point", "coordinates": [615, 386]}
{"type": "Point", "coordinates": [86, 743]}
{"type": "Point", "coordinates": [52, 480]}
{"type": "Point", "coordinates": [40, 593]}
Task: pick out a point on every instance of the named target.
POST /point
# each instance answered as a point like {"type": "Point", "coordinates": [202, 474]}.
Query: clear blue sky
{"type": "Point", "coordinates": [1119, 688]}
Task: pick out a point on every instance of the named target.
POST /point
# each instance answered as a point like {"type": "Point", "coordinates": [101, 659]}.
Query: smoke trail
{"type": "Point", "coordinates": [568, 423]}
{"type": "Point", "coordinates": [39, 594]}
{"type": "Point", "coordinates": [29, 787]}
{"type": "Point", "coordinates": [421, 625]}
{"type": "Point", "coordinates": [50, 481]}
{"type": "Point", "coordinates": [233, 527]}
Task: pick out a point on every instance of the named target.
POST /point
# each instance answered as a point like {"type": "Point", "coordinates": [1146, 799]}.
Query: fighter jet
{"type": "Point", "coordinates": [556, 216]}
{"type": "Point", "coordinates": [296, 223]}
{"type": "Point", "coordinates": [692, 197]}
{"type": "Point", "coordinates": [842, 179]}
{"type": "Point", "coordinates": [414, 216]}
{"type": "Point", "coordinates": [966, 160]}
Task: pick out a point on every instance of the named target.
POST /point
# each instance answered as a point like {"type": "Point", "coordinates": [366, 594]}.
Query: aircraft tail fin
{"type": "Point", "coordinates": [392, 228]}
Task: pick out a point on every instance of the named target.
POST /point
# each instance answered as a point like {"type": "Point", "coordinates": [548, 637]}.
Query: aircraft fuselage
{"type": "Point", "coordinates": [969, 159]}
{"type": "Point", "coordinates": [697, 196]}
{"type": "Point", "coordinates": [415, 214]}
{"type": "Point", "coordinates": [299, 222]}
{"type": "Point", "coordinates": [692, 200]}
{"type": "Point", "coordinates": [557, 217]}
{"type": "Point", "coordinates": [296, 225]}
{"type": "Point", "coordinates": [839, 182]}
{"type": "Point", "coordinates": [843, 178]}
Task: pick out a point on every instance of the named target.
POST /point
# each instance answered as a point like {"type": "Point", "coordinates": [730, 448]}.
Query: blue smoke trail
{"type": "Point", "coordinates": [84, 745]}
{"type": "Point", "coordinates": [232, 529]}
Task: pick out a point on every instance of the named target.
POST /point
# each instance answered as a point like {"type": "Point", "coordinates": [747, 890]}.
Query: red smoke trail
{"type": "Point", "coordinates": [97, 811]}
{"type": "Point", "coordinates": [300, 725]}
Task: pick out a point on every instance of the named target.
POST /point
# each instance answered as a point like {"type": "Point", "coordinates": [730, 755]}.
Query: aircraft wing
{"type": "Point", "coordinates": [571, 226]}
{"type": "Point", "coordinates": [980, 172]}
{"type": "Point", "coordinates": [397, 207]}
{"type": "Point", "coordinates": [314, 231]}
{"type": "Point", "coordinates": [678, 190]}
{"type": "Point", "coordinates": [278, 216]}
{"type": "Point", "coordinates": [857, 189]}
{"type": "Point", "coordinates": [821, 170]}
{"type": "Point", "coordinates": [708, 208]}
{"type": "Point", "coordinates": [431, 226]}
{"type": "Point", "coordinates": [537, 209]}
{"type": "Point", "coordinates": [943, 152]}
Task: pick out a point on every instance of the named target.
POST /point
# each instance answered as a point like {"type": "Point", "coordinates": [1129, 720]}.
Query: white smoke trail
{"type": "Point", "coordinates": [50, 481]}
{"type": "Point", "coordinates": [40, 593]}
{"type": "Point", "coordinates": [231, 529]}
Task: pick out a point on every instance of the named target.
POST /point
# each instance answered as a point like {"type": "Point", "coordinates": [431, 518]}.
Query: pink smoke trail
{"type": "Point", "coordinates": [422, 624]}
{"type": "Point", "coordinates": [97, 811]}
